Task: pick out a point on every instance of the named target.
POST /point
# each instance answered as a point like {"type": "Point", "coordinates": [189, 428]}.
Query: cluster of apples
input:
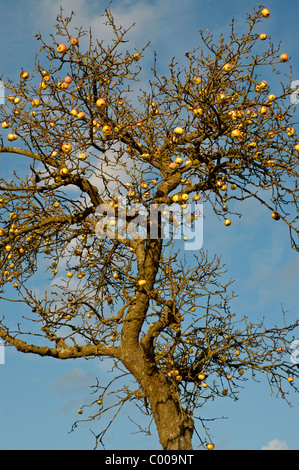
{"type": "Point", "coordinates": [131, 188]}
{"type": "Point", "coordinates": [174, 373]}
{"type": "Point", "coordinates": [62, 48]}
{"type": "Point", "coordinates": [11, 251]}
{"type": "Point", "coordinates": [227, 67]}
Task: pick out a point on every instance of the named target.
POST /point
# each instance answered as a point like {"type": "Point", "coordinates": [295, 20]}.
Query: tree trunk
{"type": "Point", "coordinates": [174, 426]}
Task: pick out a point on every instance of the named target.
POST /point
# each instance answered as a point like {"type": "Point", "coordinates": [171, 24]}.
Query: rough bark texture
{"type": "Point", "coordinates": [174, 427]}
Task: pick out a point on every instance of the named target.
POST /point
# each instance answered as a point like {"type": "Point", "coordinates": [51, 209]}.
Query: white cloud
{"type": "Point", "coordinates": [44, 13]}
{"type": "Point", "coordinates": [75, 378]}
{"type": "Point", "coordinates": [275, 444]}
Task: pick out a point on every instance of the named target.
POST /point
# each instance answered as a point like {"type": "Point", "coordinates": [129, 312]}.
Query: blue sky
{"type": "Point", "coordinates": [39, 397]}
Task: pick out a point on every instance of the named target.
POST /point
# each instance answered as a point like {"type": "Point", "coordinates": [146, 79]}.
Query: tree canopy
{"type": "Point", "coordinates": [99, 158]}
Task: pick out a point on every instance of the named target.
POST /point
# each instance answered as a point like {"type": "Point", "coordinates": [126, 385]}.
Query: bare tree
{"type": "Point", "coordinates": [211, 131]}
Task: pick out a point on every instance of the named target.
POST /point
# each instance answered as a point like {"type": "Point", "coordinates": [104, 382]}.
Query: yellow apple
{"type": "Point", "coordinates": [201, 376]}
{"type": "Point", "coordinates": [252, 144]}
{"type": "Point", "coordinates": [290, 131]}
{"type": "Point", "coordinates": [271, 97]}
{"type": "Point", "coordinates": [101, 102]}
{"type": "Point", "coordinates": [263, 110]}
{"type": "Point", "coordinates": [197, 80]}
{"type": "Point", "coordinates": [24, 75]}
{"type": "Point", "coordinates": [235, 133]}
{"type": "Point", "coordinates": [173, 165]}
{"type": "Point", "coordinates": [263, 36]}
{"type": "Point", "coordinates": [198, 111]}
{"type": "Point", "coordinates": [5, 124]}
{"type": "Point", "coordinates": [263, 84]}
{"type": "Point", "coordinates": [12, 137]}
{"type": "Point", "coordinates": [271, 134]}
{"type": "Point", "coordinates": [297, 147]}
{"type": "Point", "coordinates": [141, 282]}
{"type": "Point", "coordinates": [67, 147]}
{"type": "Point", "coordinates": [176, 198]}
{"type": "Point", "coordinates": [266, 13]}
{"type": "Point", "coordinates": [35, 102]}
{"type": "Point", "coordinates": [61, 48]}
{"type": "Point", "coordinates": [227, 67]}
{"type": "Point", "coordinates": [69, 274]}
{"type": "Point", "coordinates": [290, 379]}
{"type": "Point", "coordinates": [64, 171]}
{"type": "Point", "coordinates": [275, 216]}
{"type": "Point", "coordinates": [284, 57]}
{"type": "Point", "coordinates": [107, 130]}
{"type": "Point", "coordinates": [74, 41]}
{"type": "Point", "coordinates": [64, 86]}
{"type": "Point", "coordinates": [227, 222]}
{"type": "Point", "coordinates": [82, 156]}
{"type": "Point", "coordinates": [80, 411]}
{"type": "Point", "coordinates": [210, 446]}
{"type": "Point", "coordinates": [178, 131]}
{"type": "Point", "coordinates": [221, 97]}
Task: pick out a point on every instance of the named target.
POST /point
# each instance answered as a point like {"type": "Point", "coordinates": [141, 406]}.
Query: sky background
{"type": "Point", "coordinates": [39, 397]}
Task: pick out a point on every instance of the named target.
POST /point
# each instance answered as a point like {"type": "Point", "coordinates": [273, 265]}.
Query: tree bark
{"type": "Point", "coordinates": [174, 426]}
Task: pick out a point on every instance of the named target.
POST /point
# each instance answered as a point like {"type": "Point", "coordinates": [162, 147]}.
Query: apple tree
{"type": "Point", "coordinates": [76, 217]}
